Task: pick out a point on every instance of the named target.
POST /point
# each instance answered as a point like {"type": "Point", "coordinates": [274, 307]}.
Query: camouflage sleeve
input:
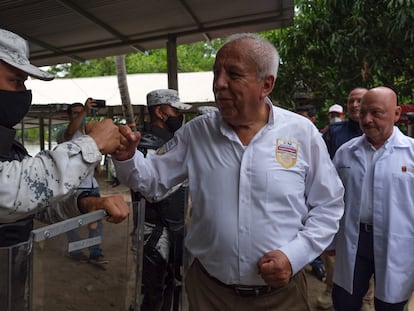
{"type": "Point", "coordinates": [66, 208]}
{"type": "Point", "coordinates": [61, 210]}
{"type": "Point", "coordinates": [45, 180]}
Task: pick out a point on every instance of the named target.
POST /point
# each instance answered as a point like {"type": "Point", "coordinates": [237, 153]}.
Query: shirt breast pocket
{"type": "Point", "coordinates": [284, 186]}
{"type": "Point", "coordinates": [401, 203]}
{"type": "Point", "coordinates": [403, 182]}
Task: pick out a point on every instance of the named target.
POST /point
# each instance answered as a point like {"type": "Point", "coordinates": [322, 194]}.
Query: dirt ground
{"type": "Point", "coordinates": [59, 283]}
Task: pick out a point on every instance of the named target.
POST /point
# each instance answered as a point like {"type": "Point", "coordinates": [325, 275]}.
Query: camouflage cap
{"type": "Point", "coordinates": [166, 97]}
{"type": "Point", "coordinates": [206, 109]}
{"type": "Point", "coordinates": [14, 50]}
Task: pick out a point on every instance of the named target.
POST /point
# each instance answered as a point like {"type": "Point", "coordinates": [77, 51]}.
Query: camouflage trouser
{"type": "Point", "coordinates": [14, 277]}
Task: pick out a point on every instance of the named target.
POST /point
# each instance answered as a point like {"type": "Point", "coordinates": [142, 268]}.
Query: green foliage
{"type": "Point", "coordinates": [91, 68]}
{"type": "Point", "coordinates": [153, 61]}
{"type": "Point", "coordinates": [198, 56]}
{"type": "Point", "coordinates": [31, 135]}
{"type": "Point", "coordinates": [336, 45]}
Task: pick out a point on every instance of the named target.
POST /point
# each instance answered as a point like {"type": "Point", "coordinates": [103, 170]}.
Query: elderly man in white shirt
{"type": "Point", "coordinates": [266, 198]}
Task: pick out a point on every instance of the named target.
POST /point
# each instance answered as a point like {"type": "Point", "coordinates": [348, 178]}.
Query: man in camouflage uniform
{"type": "Point", "coordinates": [164, 219]}
{"type": "Point", "coordinates": [29, 185]}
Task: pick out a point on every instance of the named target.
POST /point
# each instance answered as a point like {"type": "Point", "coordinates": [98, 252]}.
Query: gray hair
{"type": "Point", "coordinates": [261, 51]}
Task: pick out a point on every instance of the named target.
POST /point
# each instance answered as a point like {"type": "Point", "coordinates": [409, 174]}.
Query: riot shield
{"type": "Point", "coordinates": [62, 283]}
{"type": "Point", "coordinates": [172, 296]}
{"type": "Point", "coordinates": [14, 269]}
{"type": "Point", "coordinates": [42, 278]}
{"type": "Point", "coordinates": [138, 249]}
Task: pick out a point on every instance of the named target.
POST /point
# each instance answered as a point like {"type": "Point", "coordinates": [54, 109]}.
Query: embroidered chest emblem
{"type": "Point", "coordinates": [167, 146]}
{"type": "Point", "coordinates": [286, 152]}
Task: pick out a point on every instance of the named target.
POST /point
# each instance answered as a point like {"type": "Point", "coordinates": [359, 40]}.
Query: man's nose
{"type": "Point", "coordinates": [220, 81]}
{"type": "Point", "coordinates": [366, 118]}
{"type": "Point", "coordinates": [354, 102]}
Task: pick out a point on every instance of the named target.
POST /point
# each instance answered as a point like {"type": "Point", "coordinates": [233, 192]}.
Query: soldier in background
{"type": "Point", "coordinates": [164, 219]}
{"type": "Point", "coordinates": [77, 114]}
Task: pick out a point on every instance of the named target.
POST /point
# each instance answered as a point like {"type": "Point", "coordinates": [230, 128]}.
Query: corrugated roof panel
{"type": "Point", "coordinates": [65, 30]}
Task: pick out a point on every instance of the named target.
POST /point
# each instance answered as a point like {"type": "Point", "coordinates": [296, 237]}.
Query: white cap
{"type": "Point", "coordinates": [166, 97]}
{"type": "Point", "coordinates": [14, 50]}
{"type": "Point", "coordinates": [336, 108]}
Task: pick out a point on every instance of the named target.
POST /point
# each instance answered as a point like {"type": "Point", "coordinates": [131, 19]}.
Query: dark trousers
{"type": "Point", "coordinates": [364, 269]}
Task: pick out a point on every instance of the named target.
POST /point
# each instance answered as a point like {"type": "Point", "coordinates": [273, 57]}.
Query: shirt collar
{"type": "Point", "coordinates": [386, 145]}
{"type": "Point", "coordinates": [271, 120]}
{"type": "Point", "coordinates": [226, 129]}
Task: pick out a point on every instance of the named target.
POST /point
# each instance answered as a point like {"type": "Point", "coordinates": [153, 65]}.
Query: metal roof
{"type": "Point", "coordinates": [62, 31]}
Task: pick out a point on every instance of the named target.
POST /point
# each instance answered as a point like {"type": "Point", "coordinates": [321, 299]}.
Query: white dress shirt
{"type": "Point", "coordinates": [367, 200]}
{"type": "Point", "coordinates": [279, 192]}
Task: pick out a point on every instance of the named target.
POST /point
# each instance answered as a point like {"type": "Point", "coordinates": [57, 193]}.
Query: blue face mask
{"type": "Point", "coordinates": [14, 105]}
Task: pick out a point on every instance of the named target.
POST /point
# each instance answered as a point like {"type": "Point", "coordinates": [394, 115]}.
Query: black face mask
{"type": "Point", "coordinates": [174, 123]}
{"type": "Point", "coordinates": [13, 106]}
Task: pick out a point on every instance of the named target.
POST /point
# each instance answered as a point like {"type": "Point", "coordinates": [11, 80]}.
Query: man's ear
{"type": "Point", "coordinates": [268, 84]}
{"type": "Point", "coordinates": [397, 113]}
{"type": "Point", "coordinates": [158, 112]}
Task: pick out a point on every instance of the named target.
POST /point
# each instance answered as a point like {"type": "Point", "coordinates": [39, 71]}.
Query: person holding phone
{"type": "Point", "coordinates": [77, 114]}
{"type": "Point", "coordinates": [100, 103]}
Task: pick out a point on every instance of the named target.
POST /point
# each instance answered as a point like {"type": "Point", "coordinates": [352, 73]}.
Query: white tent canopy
{"type": "Point", "coordinates": [193, 87]}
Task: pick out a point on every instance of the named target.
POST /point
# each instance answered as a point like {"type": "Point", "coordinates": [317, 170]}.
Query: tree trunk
{"type": "Point", "coordinates": [123, 90]}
